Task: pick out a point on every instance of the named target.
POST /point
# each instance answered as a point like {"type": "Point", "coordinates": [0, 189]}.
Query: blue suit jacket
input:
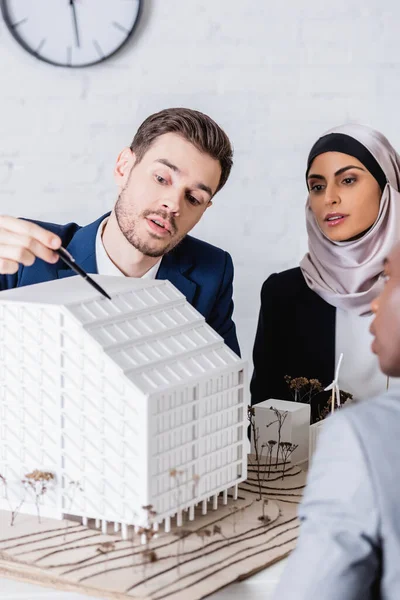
{"type": "Point", "coordinates": [203, 273]}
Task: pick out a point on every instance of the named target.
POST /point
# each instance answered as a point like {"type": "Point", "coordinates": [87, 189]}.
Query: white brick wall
{"type": "Point", "coordinates": [274, 74]}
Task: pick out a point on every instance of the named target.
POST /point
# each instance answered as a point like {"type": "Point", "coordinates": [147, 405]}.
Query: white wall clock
{"type": "Point", "coordinates": [71, 33]}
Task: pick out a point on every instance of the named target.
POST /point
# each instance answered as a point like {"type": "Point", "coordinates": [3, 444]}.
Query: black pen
{"type": "Point", "coordinates": [70, 261]}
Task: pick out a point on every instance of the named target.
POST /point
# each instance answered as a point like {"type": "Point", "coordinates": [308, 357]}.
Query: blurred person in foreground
{"type": "Point", "coordinates": [349, 544]}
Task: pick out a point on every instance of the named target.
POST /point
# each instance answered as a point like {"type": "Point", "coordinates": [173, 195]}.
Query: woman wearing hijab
{"type": "Point", "coordinates": [311, 314]}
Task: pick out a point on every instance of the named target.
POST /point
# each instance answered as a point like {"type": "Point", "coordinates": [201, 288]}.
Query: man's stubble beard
{"type": "Point", "coordinates": [126, 223]}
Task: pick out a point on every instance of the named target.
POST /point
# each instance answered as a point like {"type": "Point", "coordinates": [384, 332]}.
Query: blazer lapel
{"type": "Point", "coordinates": [83, 249]}
{"type": "Point", "coordinates": [174, 267]}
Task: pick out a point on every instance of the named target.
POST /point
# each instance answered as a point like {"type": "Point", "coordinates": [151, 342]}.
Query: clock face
{"type": "Point", "coordinates": [71, 33]}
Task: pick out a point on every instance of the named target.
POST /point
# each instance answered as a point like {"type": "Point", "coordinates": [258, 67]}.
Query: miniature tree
{"type": "Point", "coordinates": [203, 534]}
{"type": "Point", "coordinates": [14, 511]}
{"type": "Point", "coordinates": [270, 448]}
{"type": "Point", "coordinates": [105, 548]}
{"type": "Point", "coordinates": [73, 487]}
{"type": "Point", "coordinates": [217, 530]}
{"type": "Point", "coordinates": [325, 411]}
{"type": "Point", "coordinates": [264, 518]}
{"type": "Point", "coordinates": [286, 449]}
{"type": "Point", "coordinates": [237, 511]}
{"type": "Point", "coordinates": [181, 534]}
{"type": "Point", "coordinates": [70, 493]}
{"type": "Point", "coordinates": [303, 389]}
{"type": "Point", "coordinates": [147, 533]}
{"type": "Point", "coordinates": [196, 480]}
{"type": "Point", "coordinates": [257, 450]}
{"type": "Point", "coordinates": [233, 509]}
{"type": "Point", "coordinates": [38, 482]}
{"type": "Point", "coordinates": [150, 514]}
{"type": "Point", "coordinates": [132, 538]}
{"type": "Point", "coordinates": [280, 419]}
{"type": "Point", "coordinates": [176, 475]}
{"type": "Point", "coordinates": [310, 390]}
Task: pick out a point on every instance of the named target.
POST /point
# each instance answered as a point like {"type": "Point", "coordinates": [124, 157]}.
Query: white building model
{"type": "Point", "coordinates": [130, 403]}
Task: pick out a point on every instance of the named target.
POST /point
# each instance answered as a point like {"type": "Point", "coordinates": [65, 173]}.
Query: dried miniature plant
{"type": "Point", "coordinates": [270, 448]}
{"type": "Point", "coordinates": [306, 390]}
{"type": "Point", "coordinates": [325, 410]}
{"type": "Point", "coordinates": [151, 513]}
{"type": "Point", "coordinates": [235, 511]}
{"type": "Point", "coordinates": [38, 482]}
{"type": "Point", "coordinates": [72, 489]}
{"type": "Point", "coordinates": [261, 474]}
{"type": "Point", "coordinates": [264, 518]}
{"type": "Point", "coordinates": [196, 481]}
{"type": "Point", "coordinates": [181, 534]}
{"type": "Point", "coordinates": [147, 533]}
{"type": "Point", "coordinates": [255, 432]}
{"type": "Point", "coordinates": [132, 537]}
{"type": "Point", "coordinates": [176, 475]}
{"type": "Point", "coordinates": [105, 548]}
{"type": "Point", "coordinates": [280, 420]}
{"type": "Point", "coordinates": [203, 534]}
{"type": "Point", "coordinates": [217, 530]}
{"type": "Point", "coordinates": [287, 449]}
{"type": "Point", "coordinates": [14, 511]}
{"type": "Point", "coordinates": [150, 556]}
{"type": "Point", "coordinates": [70, 493]}
{"type": "Point", "coordinates": [303, 389]}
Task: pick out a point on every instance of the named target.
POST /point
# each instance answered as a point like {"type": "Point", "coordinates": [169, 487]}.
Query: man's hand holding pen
{"type": "Point", "coordinates": [21, 242]}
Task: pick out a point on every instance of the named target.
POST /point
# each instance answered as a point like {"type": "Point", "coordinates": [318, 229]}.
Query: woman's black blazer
{"type": "Point", "coordinates": [295, 336]}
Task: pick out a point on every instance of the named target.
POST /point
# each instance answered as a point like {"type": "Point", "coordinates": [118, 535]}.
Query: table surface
{"type": "Point", "coordinates": [257, 587]}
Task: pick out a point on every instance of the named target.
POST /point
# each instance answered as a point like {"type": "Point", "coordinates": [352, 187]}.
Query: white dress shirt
{"type": "Point", "coordinates": [105, 265]}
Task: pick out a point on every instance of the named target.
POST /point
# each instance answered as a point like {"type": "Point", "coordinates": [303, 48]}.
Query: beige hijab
{"type": "Point", "coordinates": [349, 275]}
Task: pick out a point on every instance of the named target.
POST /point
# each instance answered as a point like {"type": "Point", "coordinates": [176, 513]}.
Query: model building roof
{"type": "Point", "coordinates": [148, 329]}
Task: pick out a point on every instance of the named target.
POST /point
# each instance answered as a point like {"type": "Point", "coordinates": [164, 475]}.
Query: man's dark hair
{"type": "Point", "coordinates": [195, 127]}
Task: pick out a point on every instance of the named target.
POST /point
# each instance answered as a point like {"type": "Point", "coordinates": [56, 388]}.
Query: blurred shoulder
{"type": "Point", "coordinates": [374, 423]}
{"type": "Point", "coordinates": [375, 417]}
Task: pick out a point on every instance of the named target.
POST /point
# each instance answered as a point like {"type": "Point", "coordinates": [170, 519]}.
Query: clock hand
{"type": "Point", "coordinates": [72, 5]}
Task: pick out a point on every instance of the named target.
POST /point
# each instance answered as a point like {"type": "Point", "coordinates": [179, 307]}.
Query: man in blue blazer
{"type": "Point", "coordinates": [178, 160]}
{"type": "Point", "coordinates": [349, 544]}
